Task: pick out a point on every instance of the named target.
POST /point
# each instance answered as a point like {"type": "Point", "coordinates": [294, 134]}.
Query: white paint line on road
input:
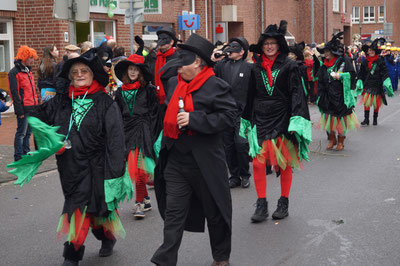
{"type": "Point", "coordinates": [389, 116]}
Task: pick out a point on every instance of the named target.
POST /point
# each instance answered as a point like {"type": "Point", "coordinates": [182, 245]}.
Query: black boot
{"type": "Point", "coordinates": [375, 122]}
{"type": "Point", "coordinates": [261, 212]}
{"type": "Point", "coordinates": [107, 244]}
{"type": "Point", "coordinates": [366, 119]}
{"type": "Point", "coordinates": [282, 210]}
{"type": "Point", "coordinates": [72, 257]}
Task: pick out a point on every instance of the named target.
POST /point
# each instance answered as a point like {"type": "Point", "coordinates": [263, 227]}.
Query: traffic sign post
{"type": "Point", "coordinates": [134, 13]}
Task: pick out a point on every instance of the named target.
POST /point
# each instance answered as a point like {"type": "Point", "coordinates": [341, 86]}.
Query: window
{"type": "Point", "coordinates": [336, 5]}
{"type": "Point", "coordinates": [369, 14]}
{"type": "Point", "coordinates": [101, 29]}
{"type": "Point", "coordinates": [344, 6]}
{"type": "Point", "coordinates": [355, 17]}
{"type": "Point", "coordinates": [381, 14]}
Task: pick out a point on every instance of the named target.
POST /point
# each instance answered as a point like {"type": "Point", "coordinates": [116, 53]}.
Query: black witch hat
{"type": "Point", "coordinates": [334, 45]}
{"type": "Point", "coordinates": [298, 49]}
{"type": "Point", "coordinates": [272, 31]}
{"type": "Point", "coordinates": [94, 63]}
{"type": "Point", "coordinates": [374, 45]}
{"type": "Point", "coordinates": [170, 32]}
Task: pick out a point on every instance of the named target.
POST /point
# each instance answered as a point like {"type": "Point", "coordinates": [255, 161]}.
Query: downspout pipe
{"type": "Point", "coordinates": [262, 15]}
{"type": "Point", "coordinates": [324, 21]}
{"type": "Point", "coordinates": [214, 38]}
{"type": "Point", "coordinates": [312, 22]}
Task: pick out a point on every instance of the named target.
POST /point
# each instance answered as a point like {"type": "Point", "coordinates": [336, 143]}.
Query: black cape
{"type": "Point", "coordinates": [373, 83]}
{"type": "Point", "coordinates": [214, 111]}
{"type": "Point", "coordinates": [97, 153]}
{"type": "Point", "coordinates": [271, 113]}
{"type": "Point", "coordinates": [144, 125]}
{"type": "Point", "coordinates": [330, 91]}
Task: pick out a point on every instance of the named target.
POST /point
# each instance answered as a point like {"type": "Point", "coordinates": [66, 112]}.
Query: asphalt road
{"type": "Point", "coordinates": [344, 210]}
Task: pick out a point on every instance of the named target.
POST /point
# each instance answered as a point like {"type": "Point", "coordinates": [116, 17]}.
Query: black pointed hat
{"type": "Point", "coordinates": [374, 45]}
{"type": "Point", "coordinates": [272, 31]}
{"type": "Point", "coordinates": [243, 42]}
{"type": "Point", "coordinates": [170, 31]}
{"type": "Point", "coordinates": [94, 63]}
{"type": "Point", "coordinates": [200, 46]}
{"type": "Point", "coordinates": [298, 49]}
{"type": "Point", "coordinates": [334, 45]}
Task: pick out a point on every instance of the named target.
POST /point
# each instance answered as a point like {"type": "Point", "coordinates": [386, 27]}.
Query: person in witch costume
{"type": "Point", "coordinates": [235, 70]}
{"type": "Point", "coordinates": [335, 97]}
{"type": "Point", "coordinates": [191, 179]}
{"type": "Point", "coordinates": [85, 128]}
{"type": "Point", "coordinates": [166, 42]}
{"type": "Point", "coordinates": [139, 106]}
{"type": "Point", "coordinates": [373, 78]}
{"type": "Point", "coordinates": [276, 119]}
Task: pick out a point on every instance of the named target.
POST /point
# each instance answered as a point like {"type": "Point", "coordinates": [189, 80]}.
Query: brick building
{"type": "Point", "coordinates": [31, 22]}
{"type": "Point", "coordinates": [368, 18]}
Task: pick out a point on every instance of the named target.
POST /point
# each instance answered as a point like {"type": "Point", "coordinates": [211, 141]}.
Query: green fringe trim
{"type": "Point", "coordinates": [116, 190]}
{"type": "Point", "coordinates": [111, 223]}
{"type": "Point", "coordinates": [250, 133]}
{"type": "Point", "coordinates": [74, 227]}
{"type": "Point", "coordinates": [48, 142]}
{"type": "Point", "coordinates": [387, 84]}
{"type": "Point", "coordinates": [303, 134]}
{"type": "Point", "coordinates": [341, 125]}
{"type": "Point", "coordinates": [359, 87]}
{"type": "Point", "coordinates": [347, 92]}
{"type": "Point", "coordinates": [157, 144]}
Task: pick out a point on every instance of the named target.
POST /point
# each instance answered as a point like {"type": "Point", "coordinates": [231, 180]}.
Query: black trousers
{"type": "Point", "coordinates": [183, 179]}
{"type": "Point", "coordinates": [237, 153]}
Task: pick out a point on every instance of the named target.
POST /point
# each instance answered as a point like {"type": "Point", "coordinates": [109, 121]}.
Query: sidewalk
{"type": "Point", "coordinates": [7, 133]}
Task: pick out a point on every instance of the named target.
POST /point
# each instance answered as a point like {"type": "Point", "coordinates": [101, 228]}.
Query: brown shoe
{"type": "Point", "coordinates": [332, 141]}
{"type": "Point", "coordinates": [221, 263]}
{"type": "Point", "coordinates": [340, 145]}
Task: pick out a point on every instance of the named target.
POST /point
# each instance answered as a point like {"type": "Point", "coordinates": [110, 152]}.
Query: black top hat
{"type": "Point", "coordinates": [243, 42]}
{"type": "Point", "coordinates": [133, 60]}
{"type": "Point", "coordinates": [200, 46]}
{"type": "Point", "coordinates": [334, 45]}
{"type": "Point", "coordinates": [170, 31]}
{"type": "Point", "coordinates": [298, 49]}
{"type": "Point", "coordinates": [93, 63]}
{"type": "Point", "coordinates": [374, 45]}
{"type": "Point", "coordinates": [272, 31]}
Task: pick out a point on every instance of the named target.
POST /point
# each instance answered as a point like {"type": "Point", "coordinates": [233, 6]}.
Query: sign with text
{"type": "Point", "coordinates": [152, 7]}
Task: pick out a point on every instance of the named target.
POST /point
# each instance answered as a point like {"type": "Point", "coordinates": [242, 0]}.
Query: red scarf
{"type": "Point", "coordinates": [267, 65]}
{"type": "Point", "coordinates": [371, 60]}
{"type": "Point", "coordinates": [160, 62]}
{"type": "Point", "coordinates": [330, 62]}
{"type": "Point", "coordinates": [131, 86]}
{"type": "Point", "coordinates": [91, 89]}
{"type": "Point", "coordinates": [184, 90]}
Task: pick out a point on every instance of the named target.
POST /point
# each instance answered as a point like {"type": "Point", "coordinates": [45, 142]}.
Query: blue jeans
{"type": "Point", "coordinates": [22, 138]}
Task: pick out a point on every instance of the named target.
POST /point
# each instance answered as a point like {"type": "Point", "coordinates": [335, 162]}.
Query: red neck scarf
{"type": "Point", "coordinates": [91, 89]}
{"type": "Point", "coordinates": [267, 65]}
{"type": "Point", "coordinates": [131, 86]}
{"type": "Point", "coordinates": [184, 90]}
{"type": "Point", "coordinates": [371, 60]}
{"type": "Point", "coordinates": [160, 62]}
{"type": "Point", "coordinates": [330, 62]}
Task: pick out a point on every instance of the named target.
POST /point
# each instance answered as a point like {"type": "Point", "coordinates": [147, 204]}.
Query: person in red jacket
{"type": "Point", "coordinates": [24, 95]}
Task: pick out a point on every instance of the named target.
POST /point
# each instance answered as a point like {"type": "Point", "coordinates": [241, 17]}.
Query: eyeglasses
{"type": "Point", "coordinates": [83, 72]}
{"type": "Point", "coordinates": [269, 43]}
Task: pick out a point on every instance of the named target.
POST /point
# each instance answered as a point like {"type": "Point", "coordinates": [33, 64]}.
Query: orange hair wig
{"type": "Point", "coordinates": [24, 52]}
